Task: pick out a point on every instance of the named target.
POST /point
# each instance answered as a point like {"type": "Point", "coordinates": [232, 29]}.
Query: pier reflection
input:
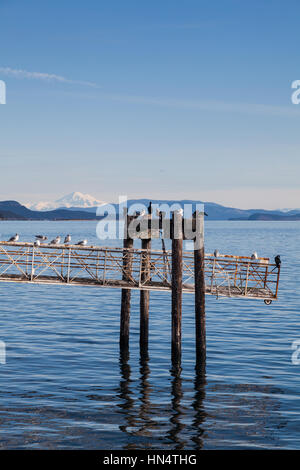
{"type": "Point", "coordinates": [198, 405]}
{"type": "Point", "coordinates": [174, 416]}
{"type": "Point", "coordinates": [146, 423]}
{"type": "Point", "coordinates": [181, 433]}
{"type": "Point", "coordinates": [177, 412]}
{"type": "Point", "coordinates": [135, 403]}
{"type": "Point", "coordinates": [127, 400]}
{"type": "Point", "coordinates": [145, 408]}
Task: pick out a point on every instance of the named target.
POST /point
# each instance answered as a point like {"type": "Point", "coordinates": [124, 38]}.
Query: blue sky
{"type": "Point", "coordinates": [160, 99]}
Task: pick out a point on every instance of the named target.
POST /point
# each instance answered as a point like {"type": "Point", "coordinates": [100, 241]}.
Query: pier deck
{"type": "Point", "coordinates": [226, 275]}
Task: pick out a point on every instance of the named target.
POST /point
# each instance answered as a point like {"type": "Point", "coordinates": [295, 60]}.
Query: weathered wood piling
{"type": "Point", "coordinates": [177, 245]}
{"type": "Point", "coordinates": [126, 293]}
{"type": "Point", "coordinates": [199, 275]}
{"type": "Point", "coordinates": [145, 297]}
{"type": "Point", "coordinates": [177, 235]}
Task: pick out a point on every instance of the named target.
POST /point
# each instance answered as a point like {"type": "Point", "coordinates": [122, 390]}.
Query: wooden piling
{"type": "Point", "coordinates": [200, 329]}
{"type": "Point", "coordinates": [126, 293]}
{"type": "Point", "coordinates": [145, 297]}
{"type": "Point", "coordinates": [176, 290]}
{"type": "Point", "coordinates": [145, 294]}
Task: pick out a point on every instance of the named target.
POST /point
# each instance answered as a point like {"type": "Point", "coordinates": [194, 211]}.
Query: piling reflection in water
{"type": "Point", "coordinates": [125, 394]}
{"type": "Point", "coordinates": [198, 406]}
{"type": "Point", "coordinates": [145, 415]}
{"type": "Point", "coordinates": [135, 403]}
{"type": "Point", "coordinates": [147, 424]}
{"type": "Point", "coordinates": [245, 410]}
{"type": "Point", "coordinates": [177, 412]}
{"type": "Point", "coordinates": [145, 409]}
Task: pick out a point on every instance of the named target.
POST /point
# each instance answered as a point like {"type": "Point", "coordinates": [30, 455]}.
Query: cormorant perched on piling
{"type": "Point", "coordinates": [277, 261]}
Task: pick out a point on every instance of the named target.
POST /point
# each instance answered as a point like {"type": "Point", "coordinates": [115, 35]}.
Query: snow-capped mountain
{"type": "Point", "coordinates": [75, 199]}
{"type": "Point", "coordinates": [289, 210]}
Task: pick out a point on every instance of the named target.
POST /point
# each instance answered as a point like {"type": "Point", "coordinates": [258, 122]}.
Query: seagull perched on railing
{"type": "Point", "coordinates": [56, 241]}
{"type": "Point", "coordinates": [37, 243]}
{"type": "Point", "coordinates": [82, 243]}
{"type": "Point", "coordinates": [15, 238]}
{"type": "Point", "coordinates": [254, 256]}
{"type": "Point", "coordinates": [41, 237]}
{"type": "Point", "coordinates": [67, 239]}
{"type": "Point", "coordinates": [216, 253]}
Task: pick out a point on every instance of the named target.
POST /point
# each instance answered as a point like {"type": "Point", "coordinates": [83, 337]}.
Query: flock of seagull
{"type": "Point", "coordinates": [56, 241]}
{"type": "Point", "coordinates": [67, 240]}
{"type": "Point", "coordinates": [254, 257]}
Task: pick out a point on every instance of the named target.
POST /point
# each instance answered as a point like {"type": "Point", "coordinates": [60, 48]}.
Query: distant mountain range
{"type": "Point", "coordinates": [76, 199]}
{"type": "Point", "coordinates": [13, 210]}
{"type": "Point", "coordinates": [78, 206]}
{"type": "Point", "coordinates": [266, 216]}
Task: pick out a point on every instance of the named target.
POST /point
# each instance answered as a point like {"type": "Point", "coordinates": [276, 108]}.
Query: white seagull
{"type": "Point", "coordinates": [254, 256]}
{"type": "Point", "coordinates": [67, 239]}
{"type": "Point", "coordinates": [41, 237]}
{"type": "Point", "coordinates": [15, 238]}
{"type": "Point", "coordinates": [82, 243]}
{"type": "Point", "coordinates": [37, 243]}
{"type": "Point", "coordinates": [216, 253]}
{"type": "Point", "coordinates": [56, 241]}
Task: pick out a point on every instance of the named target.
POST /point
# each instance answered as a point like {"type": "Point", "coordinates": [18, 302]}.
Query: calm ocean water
{"type": "Point", "coordinates": [64, 385]}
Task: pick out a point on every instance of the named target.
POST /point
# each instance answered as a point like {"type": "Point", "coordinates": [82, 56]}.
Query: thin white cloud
{"type": "Point", "coordinates": [216, 106]}
{"type": "Point", "coordinates": [213, 105]}
{"type": "Point", "coordinates": [291, 111]}
{"type": "Point", "coordinates": [48, 77]}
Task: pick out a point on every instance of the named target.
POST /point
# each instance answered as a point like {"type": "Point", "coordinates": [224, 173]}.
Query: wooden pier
{"type": "Point", "coordinates": [175, 271]}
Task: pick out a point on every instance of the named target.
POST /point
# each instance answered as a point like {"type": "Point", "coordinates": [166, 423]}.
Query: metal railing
{"type": "Point", "coordinates": [225, 275]}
